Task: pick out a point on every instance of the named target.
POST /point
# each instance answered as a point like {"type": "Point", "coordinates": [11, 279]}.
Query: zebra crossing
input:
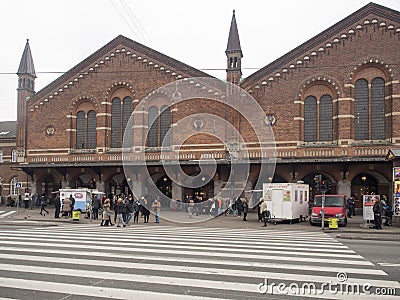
{"type": "Point", "coordinates": [86, 261]}
{"type": "Point", "coordinates": [6, 213]}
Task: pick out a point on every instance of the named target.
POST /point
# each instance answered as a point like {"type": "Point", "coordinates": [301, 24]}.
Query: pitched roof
{"type": "Point", "coordinates": [371, 8]}
{"type": "Point", "coordinates": [94, 58]}
{"type": "Point", "coordinates": [8, 130]}
{"type": "Point", "coordinates": [233, 39]}
{"type": "Point", "coordinates": [26, 65]}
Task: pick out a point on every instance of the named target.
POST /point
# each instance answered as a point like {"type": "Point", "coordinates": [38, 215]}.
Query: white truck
{"type": "Point", "coordinates": [83, 197]}
{"type": "Point", "coordinates": [287, 201]}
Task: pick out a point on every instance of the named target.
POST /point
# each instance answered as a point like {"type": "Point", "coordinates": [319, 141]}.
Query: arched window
{"type": "Point", "coordinates": [310, 119]}
{"type": "Point", "coordinates": [116, 123]}
{"type": "Point", "coordinates": [369, 109]}
{"type": "Point", "coordinates": [13, 188]}
{"type": "Point", "coordinates": [361, 110]}
{"type": "Point", "coordinates": [14, 155]}
{"type": "Point", "coordinates": [152, 136]}
{"type": "Point", "coordinates": [325, 118]}
{"type": "Point", "coordinates": [91, 129]}
{"type": "Point", "coordinates": [127, 131]}
{"type": "Point", "coordinates": [86, 130]}
{"type": "Point", "coordinates": [378, 109]}
{"type": "Point", "coordinates": [80, 130]}
{"type": "Point", "coordinates": [165, 123]}
{"type": "Point", "coordinates": [120, 114]}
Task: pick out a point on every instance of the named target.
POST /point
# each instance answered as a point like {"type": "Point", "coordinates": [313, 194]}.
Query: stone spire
{"type": "Point", "coordinates": [26, 90]}
{"type": "Point", "coordinates": [233, 54]}
{"type": "Point", "coordinates": [26, 66]}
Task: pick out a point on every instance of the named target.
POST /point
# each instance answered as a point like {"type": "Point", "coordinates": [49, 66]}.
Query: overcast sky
{"type": "Point", "coordinates": [62, 33]}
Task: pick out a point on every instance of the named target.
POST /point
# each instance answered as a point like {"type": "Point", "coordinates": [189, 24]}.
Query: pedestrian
{"type": "Point", "coordinates": [120, 208]}
{"type": "Point", "coordinates": [96, 204]}
{"type": "Point", "coordinates": [351, 207]}
{"type": "Point", "coordinates": [239, 207]}
{"type": "Point", "coordinates": [106, 220]}
{"type": "Point", "coordinates": [220, 205]}
{"type": "Point", "coordinates": [72, 201]}
{"type": "Point", "coordinates": [136, 210]}
{"type": "Point", "coordinates": [129, 209]}
{"type": "Point", "coordinates": [259, 215]}
{"type": "Point", "coordinates": [156, 206]}
{"type": "Point", "coordinates": [245, 209]}
{"type": "Point", "coordinates": [57, 206]}
{"type": "Point", "coordinates": [66, 207]}
{"type": "Point", "coordinates": [144, 210]}
{"type": "Point", "coordinates": [26, 200]}
{"type": "Point", "coordinates": [264, 211]}
{"type": "Point", "coordinates": [377, 209]}
{"type": "Point", "coordinates": [190, 208]}
{"type": "Point", "coordinates": [43, 204]}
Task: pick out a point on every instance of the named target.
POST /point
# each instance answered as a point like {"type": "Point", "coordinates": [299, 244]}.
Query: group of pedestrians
{"type": "Point", "coordinates": [125, 208]}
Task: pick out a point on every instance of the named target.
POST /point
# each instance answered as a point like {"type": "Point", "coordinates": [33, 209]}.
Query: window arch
{"type": "Point", "coordinates": [13, 188]}
{"type": "Point", "coordinates": [120, 115]}
{"type": "Point", "coordinates": [152, 136]}
{"type": "Point", "coordinates": [325, 118]}
{"type": "Point", "coordinates": [80, 130]}
{"type": "Point", "coordinates": [86, 135]}
{"type": "Point", "coordinates": [378, 109]}
{"type": "Point", "coordinates": [369, 109]}
{"type": "Point", "coordinates": [310, 119]}
{"type": "Point", "coordinates": [14, 155]}
{"type": "Point", "coordinates": [165, 123]}
{"type": "Point", "coordinates": [318, 119]}
{"type": "Point", "coordinates": [91, 129]}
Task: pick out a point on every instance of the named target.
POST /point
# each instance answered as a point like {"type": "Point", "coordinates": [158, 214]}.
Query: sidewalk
{"type": "Point", "coordinates": [352, 230]}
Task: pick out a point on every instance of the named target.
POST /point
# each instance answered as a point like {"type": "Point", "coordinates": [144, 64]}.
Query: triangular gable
{"type": "Point", "coordinates": [328, 34]}
{"type": "Point", "coordinates": [148, 53]}
{"type": "Point", "coordinates": [393, 153]}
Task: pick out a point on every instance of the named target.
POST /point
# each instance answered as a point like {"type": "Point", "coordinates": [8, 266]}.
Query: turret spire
{"type": "Point", "coordinates": [234, 54]}
{"type": "Point", "coordinates": [26, 66]}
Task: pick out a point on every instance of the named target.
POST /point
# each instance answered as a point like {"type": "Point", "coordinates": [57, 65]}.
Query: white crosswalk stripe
{"type": "Point", "coordinates": [149, 262]}
{"type": "Point", "coordinates": [4, 213]}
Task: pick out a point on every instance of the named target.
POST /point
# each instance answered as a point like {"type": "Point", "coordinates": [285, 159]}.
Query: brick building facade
{"type": "Point", "coordinates": [332, 103]}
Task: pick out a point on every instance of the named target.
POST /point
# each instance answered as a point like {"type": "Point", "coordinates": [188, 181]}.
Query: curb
{"type": "Point", "coordinates": [368, 236]}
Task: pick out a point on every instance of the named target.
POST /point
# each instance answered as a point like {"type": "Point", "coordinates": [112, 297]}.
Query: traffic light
{"type": "Point", "coordinates": [317, 182]}
{"type": "Point", "coordinates": [325, 185]}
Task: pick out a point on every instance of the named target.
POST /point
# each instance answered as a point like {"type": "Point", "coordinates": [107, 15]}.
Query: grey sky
{"type": "Point", "coordinates": [64, 32]}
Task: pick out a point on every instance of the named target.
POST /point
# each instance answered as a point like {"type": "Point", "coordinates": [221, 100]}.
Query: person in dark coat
{"type": "Point", "coordinates": [144, 210]}
{"type": "Point", "coordinates": [43, 204]}
{"type": "Point", "coordinates": [72, 199]}
{"type": "Point", "coordinates": [377, 209]}
{"type": "Point", "coordinates": [239, 206]}
{"type": "Point", "coordinates": [57, 206]}
{"type": "Point", "coordinates": [95, 207]}
{"type": "Point", "coordinates": [136, 210]}
{"type": "Point", "coordinates": [245, 209]}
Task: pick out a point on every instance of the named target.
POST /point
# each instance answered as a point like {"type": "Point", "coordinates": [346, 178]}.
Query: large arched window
{"type": "Point", "coordinates": [13, 188]}
{"type": "Point", "coordinates": [86, 136]}
{"type": "Point", "coordinates": [159, 126]}
{"type": "Point", "coordinates": [91, 130]}
{"type": "Point", "coordinates": [152, 136]}
{"type": "Point", "coordinates": [165, 123]}
{"type": "Point", "coordinates": [361, 110]}
{"type": "Point", "coordinates": [116, 123]}
{"type": "Point", "coordinates": [310, 119]}
{"type": "Point", "coordinates": [120, 114]}
{"type": "Point", "coordinates": [318, 126]}
{"type": "Point", "coordinates": [80, 130]}
{"type": "Point", "coordinates": [369, 109]}
{"type": "Point", "coordinates": [325, 118]}
{"type": "Point", "coordinates": [378, 109]}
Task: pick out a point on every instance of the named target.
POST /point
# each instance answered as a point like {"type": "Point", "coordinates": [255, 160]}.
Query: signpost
{"type": "Point", "coordinates": [18, 185]}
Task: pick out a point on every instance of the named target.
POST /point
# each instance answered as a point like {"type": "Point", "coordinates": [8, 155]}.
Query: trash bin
{"type": "Point", "coordinates": [76, 215]}
{"type": "Point", "coordinates": [333, 223]}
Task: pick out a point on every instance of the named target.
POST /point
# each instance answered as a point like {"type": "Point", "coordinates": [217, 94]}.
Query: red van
{"type": "Point", "coordinates": [335, 207]}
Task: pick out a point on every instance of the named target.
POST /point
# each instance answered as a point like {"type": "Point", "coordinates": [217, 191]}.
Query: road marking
{"type": "Point", "coordinates": [7, 214]}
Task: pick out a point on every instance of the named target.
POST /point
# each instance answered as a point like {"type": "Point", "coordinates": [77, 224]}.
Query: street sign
{"type": "Point", "coordinates": [18, 185]}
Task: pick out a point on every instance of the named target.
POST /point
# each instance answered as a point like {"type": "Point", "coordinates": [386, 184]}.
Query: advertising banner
{"type": "Point", "coordinates": [396, 189]}
{"type": "Point", "coordinates": [368, 203]}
